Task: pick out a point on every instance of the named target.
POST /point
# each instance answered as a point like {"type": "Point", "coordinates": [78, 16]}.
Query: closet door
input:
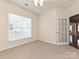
{"type": "Point", "coordinates": [61, 31]}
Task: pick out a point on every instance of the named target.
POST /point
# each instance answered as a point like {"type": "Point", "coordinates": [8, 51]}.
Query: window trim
{"type": "Point", "coordinates": [21, 38]}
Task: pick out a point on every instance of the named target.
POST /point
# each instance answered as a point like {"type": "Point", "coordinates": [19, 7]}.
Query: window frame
{"type": "Point", "coordinates": [23, 37]}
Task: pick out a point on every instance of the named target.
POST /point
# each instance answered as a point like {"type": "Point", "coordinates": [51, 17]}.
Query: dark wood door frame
{"type": "Point", "coordinates": [74, 20]}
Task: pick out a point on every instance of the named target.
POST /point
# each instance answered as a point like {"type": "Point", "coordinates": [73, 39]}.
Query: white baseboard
{"type": "Point", "coordinates": [56, 43]}
{"type": "Point", "coordinates": [10, 47]}
{"type": "Point", "coordinates": [49, 42]}
{"type": "Point", "coordinates": [62, 43]}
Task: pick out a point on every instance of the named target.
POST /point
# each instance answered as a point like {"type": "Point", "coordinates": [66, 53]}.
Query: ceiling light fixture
{"type": "Point", "coordinates": [38, 2]}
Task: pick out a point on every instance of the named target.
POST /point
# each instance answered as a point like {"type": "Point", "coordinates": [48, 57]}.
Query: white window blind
{"type": "Point", "coordinates": [19, 27]}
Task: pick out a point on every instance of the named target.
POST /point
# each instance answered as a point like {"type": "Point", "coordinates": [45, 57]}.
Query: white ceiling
{"type": "Point", "coordinates": [48, 4]}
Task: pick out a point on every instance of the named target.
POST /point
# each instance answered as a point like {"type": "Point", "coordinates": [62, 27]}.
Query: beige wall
{"type": "Point", "coordinates": [74, 9]}
{"type": "Point", "coordinates": [47, 26]}
{"type": "Point", "coordinates": [61, 12]}
{"type": "Point", "coordinates": [5, 8]}
{"type": "Point", "coordinates": [47, 22]}
{"type": "Point", "coordinates": [44, 28]}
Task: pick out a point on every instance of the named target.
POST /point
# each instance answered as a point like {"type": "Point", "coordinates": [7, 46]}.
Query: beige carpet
{"type": "Point", "coordinates": [40, 50]}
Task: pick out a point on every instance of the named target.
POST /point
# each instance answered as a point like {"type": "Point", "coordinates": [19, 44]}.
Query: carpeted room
{"type": "Point", "coordinates": [43, 43]}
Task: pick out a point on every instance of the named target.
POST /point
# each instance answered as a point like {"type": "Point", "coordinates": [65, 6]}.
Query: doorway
{"type": "Point", "coordinates": [74, 31]}
{"type": "Point", "coordinates": [62, 32]}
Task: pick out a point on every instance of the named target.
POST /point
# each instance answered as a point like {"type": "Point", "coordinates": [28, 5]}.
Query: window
{"type": "Point", "coordinates": [19, 27]}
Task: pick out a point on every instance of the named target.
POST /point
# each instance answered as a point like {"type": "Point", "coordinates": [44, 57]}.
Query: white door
{"type": "Point", "coordinates": [61, 31]}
